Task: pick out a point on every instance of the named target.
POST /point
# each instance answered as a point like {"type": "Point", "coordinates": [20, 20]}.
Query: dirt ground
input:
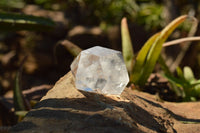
{"type": "Point", "coordinates": [65, 109]}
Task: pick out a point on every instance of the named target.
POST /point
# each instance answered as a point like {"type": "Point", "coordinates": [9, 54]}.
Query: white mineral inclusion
{"type": "Point", "coordinates": [100, 70]}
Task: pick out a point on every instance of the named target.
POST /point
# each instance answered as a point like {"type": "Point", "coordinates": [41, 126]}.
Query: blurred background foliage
{"type": "Point", "coordinates": [145, 17]}
{"type": "Point", "coordinates": [152, 14]}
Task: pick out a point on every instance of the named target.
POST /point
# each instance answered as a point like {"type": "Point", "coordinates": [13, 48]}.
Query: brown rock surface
{"type": "Point", "coordinates": [65, 109]}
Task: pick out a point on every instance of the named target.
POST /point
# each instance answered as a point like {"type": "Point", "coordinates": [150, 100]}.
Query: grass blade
{"type": "Point", "coordinates": [167, 73]}
{"type": "Point", "coordinates": [164, 66]}
{"type": "Point", "coordinates": [180, 73]}
{"type": "Point", "coordinates": [13, 22]}
{"type": "Point", "coordinates": [20, 103]}
{"type": "Point", "coordinates": [141, 58]}
{"type": "Point", "coordinates": [18, 98]}
{"type": "Point", "coordinates": [174, 80]}
{"type": "Point", "coordinates": [127, 48]}
{"type": "Point", "coordinates": [188, 74]}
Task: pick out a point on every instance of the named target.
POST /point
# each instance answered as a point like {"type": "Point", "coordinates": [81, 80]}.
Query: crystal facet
{"type": "Point", "coordinates": [100, 70]}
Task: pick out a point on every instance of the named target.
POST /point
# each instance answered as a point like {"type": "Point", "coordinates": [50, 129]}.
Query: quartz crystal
{"type": "Point", "coordinates": [100, 70]}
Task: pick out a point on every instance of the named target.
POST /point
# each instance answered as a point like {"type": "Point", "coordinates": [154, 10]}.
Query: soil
{"type": "Point", "coordinates": [65, 109]}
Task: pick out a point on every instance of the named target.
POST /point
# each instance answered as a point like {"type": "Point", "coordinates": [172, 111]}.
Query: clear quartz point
{"type": "Point", "coordinates": [100, 70]}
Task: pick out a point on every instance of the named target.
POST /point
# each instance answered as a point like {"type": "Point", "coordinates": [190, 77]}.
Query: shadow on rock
{"type": "Point", "coordinates": [92, 114]}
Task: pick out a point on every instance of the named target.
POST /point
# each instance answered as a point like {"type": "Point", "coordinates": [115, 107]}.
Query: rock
{"type": "Point", "coordinates": [65, 109]}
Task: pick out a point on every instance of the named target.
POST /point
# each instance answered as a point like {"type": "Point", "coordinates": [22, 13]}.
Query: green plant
{"type": "Point", "coordinates": [140, 68]}
{"type": "Point", "coordinates": [14, 21]}
{"type": "Point", "coordinates": [165, 68]}
{"type": "Point", "coordinates": [149, 54]}
{"type": "Point", "coordinates": [21, 106]}
{"type": "Point", "coordinates": [186, 81]}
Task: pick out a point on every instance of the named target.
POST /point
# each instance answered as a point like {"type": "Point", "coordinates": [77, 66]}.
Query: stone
{"type": "Point", "coordinates": [100, 70]}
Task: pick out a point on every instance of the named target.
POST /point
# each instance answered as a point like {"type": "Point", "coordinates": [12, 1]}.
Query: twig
{"type": "Point", "coordinates": [182, 40]}
{"type": "Point", "coordinates": [72, 48]}
{"type": "Point", "coordinates": [185, 47]}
